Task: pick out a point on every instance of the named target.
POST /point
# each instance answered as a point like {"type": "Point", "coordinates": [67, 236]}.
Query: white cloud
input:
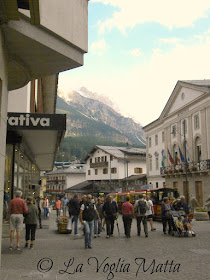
{"type": "Point", "coordinates": [144, 90]}
{"type": "Point", "coordinates": [135, 52]}
{"type": "Point", "coordinates": [99, 48]}
{"type": "Point", "coordinates": [171, 14]}
{"type": "Point", "coordinates": [173, 40]}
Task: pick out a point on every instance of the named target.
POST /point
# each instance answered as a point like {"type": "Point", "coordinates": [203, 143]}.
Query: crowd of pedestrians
{"type": "Point", "coordinates": [94, 213]}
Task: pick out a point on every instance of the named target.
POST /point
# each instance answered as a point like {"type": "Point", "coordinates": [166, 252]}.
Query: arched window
{"type": "Point", "coordinates": [175, 154]}
{"type": "Point", "coordinates": [198, 149]}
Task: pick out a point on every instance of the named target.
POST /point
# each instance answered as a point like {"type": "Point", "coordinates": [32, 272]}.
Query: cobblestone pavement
{"type": "Point", "coordinates": [62, 256]}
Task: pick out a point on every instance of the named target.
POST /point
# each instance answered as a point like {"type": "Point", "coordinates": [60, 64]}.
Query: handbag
{"type": "Point", "coordinates": [168, 215]}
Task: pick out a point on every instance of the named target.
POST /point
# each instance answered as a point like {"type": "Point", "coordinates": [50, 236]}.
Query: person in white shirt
{"type": "Point", "coordinates": [150, 212]}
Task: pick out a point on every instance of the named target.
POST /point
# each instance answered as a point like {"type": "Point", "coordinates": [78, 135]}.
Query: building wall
{"type": "Point", "coordinates": [3, 121]}
{"type": "Point", "coordinates": [124, 169]}
{"type": "Point", "coordinates": [194, 103]}
{"type": "Point", "coordinates": [19, 100]}
{"type": "Point", "coordinates": [62, 18]}
{"type": "Point", "coordinates": [74, 179]}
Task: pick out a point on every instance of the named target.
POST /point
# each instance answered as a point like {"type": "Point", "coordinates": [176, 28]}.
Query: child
{"type": "Point", "coordinates": [187, 225]}
{"type": "Point", "coordinates": [179, 224]}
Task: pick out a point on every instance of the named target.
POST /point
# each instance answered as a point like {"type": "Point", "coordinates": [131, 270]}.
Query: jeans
{"type": "Point", "coordinates": [127, 221]}
{"type": "Point", "coordinates": [75, 223]}
{"type": "Point", "coordinates": [165, 221]}
{"type": "Point", "coordinates": [46, 211]}
{"type": "Point", "coordinates": [96, 226]}
{"type": "Point", "coordinates": [58, 212]}
{"type": "Point", "coordinates": [65, 207]}
{"type": "Point", "coordinates": [142, 219]}
{"type": "Point", "coordinates": [109, 225]}
{"type": "Point", "coordinates": [88, 226]}
{"type": "Point", "coordinates": [30, 231]}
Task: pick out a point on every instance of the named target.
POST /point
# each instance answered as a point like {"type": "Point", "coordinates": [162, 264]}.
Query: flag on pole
{"type": "Point", "coordinates": [181, 155]}
{"type": "Point", "coordinates": [170, 158]}
{"type": "Point", "coordinates": [177, 159]}
{"type": "Point", "coordinates": [163, 158]}
{"type": "Point", "coordinates": [187, 155]}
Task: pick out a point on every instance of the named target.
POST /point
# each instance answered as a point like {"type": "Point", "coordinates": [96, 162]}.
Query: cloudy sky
{"type": "Point", "coordinates": [139, 49]}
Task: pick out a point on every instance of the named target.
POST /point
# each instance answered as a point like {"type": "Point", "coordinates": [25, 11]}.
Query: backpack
{"type": "Point", "coordinates": [142, 207]}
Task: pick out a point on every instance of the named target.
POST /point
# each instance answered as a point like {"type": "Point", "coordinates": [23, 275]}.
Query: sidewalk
{"type": "Point", "coordinates": [115, 255]}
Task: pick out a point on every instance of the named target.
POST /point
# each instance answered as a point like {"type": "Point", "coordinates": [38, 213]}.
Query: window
{"type": "Point", "coordinates": [105, 158]}
{"type": "Point", "coordinates": [157, 162]}
{"type": "Point", "coordinates": [156, 139]}
{"type": "Point", "coordinates": [111, 158]}
{"type": "Point", "coordinates": [89, 172]}
{"type": "Point", "coordinates": [138, 170]}
{"type": "Point", "coordinates": [156, 184]}
{"type": "Point", "coordinates": [150, 164]}
{"type": "Point", "coordinates": [173, 131]}
{"type": "Point", "coordinates": [102, 159]}
{"type": "Point", "coordinates": [91, 160]}
{"type": "Point", "coordinates": [95, 159]}
{"type": "Point", "coordinates": [114, 170]}
{"type": "Point", "coordinates": [163, 136]}
{"type": "Point", "coordinates": [196, 122]}
{"type": "Point", "coordinates": [105, 171]}
{"type": "Point", "coordinates": [150, 142]}
{"type": "Point", "coordinates": [198, 149]}
{"type": "Point", "coordinates": [184, 126]}
{"type": "Point", "coordinates": [96, 171]}
{"type": "Point", "coordinates": [99, 159]}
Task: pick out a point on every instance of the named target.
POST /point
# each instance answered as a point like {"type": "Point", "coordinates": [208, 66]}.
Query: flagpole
{"type": "Point", "coordinates": [186, 163]}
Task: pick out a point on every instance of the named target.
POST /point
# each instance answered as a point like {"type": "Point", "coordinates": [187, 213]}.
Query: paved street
{"type": "Point", "coordinates": [117, 257]}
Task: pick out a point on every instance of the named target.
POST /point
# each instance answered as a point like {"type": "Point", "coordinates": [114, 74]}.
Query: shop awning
{"type": "Point", "coordinates": [38, 135]}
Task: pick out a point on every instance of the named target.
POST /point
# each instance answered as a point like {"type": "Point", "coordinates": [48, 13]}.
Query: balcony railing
{"type": "Point", "coordinates": [192, 167]}
{"type": "Point", "coordinates": [99, 164]}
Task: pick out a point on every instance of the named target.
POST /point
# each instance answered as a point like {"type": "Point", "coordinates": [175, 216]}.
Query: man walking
{"type": "Point", "coordinates": [38, 204]}
{"type": "Point", "coordinates": [128, 214]}
{"type": "Point", "coordinates": [87, 212]}
{"type": "Point", "coordinates": [75, 210]}
{"type": "Point", "coordinates": [17, 207]}
{"type": "Point", "coordinates": [150, 212]}
{"type": "Point", "coordinates": [46, 207]}
{"type": "Point", "coordinates": [65, 201]}
{"type": "Point", "coordinates": [108, 209]}
{"type": "Point", "coordinates": [140, 210]}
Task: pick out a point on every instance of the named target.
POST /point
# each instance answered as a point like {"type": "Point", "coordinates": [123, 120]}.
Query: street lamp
{"type": "Point", "coordinates": [185, 155]}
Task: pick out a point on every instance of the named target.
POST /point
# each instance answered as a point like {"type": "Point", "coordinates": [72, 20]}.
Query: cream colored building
{"type": "Point", "coordinates": [183, 126]}
{"type": "Point", "coordinates": [38, 40]}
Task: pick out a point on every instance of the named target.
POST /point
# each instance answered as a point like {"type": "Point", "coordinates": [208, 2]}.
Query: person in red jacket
{"type": "Point", "coordinates": [128, 214]}
{"type": "Point", "coordinates": [17, 207]}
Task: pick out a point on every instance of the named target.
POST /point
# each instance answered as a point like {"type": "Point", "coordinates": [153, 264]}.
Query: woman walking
{"type": "Point", "coordinates": [31, 222]}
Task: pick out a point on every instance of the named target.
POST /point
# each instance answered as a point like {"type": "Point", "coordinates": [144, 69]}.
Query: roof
{"type": "Point", "coordinates": [72, 169]}
{"type": "Point", "coordinates": [135, 177]}
{"type": "Point", "coordinates": [197, 83]}
{"type": "Point", "coordinates": [119, 152]}
{"type": "Point", "coordinates": [203, 83]}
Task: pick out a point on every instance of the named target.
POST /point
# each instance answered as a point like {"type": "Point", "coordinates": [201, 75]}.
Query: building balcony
{"type": "Point", "coordinates": [193, 168]}
{"type": "Point", "coordinates": [99, 164]}
{"type": "Point", "coordinates": [43, 38]}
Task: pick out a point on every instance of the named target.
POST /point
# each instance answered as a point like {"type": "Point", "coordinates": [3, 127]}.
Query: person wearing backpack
{"type": "Point", "coordinates": [140, 213]}
{"type": "Point", "coordinates": [87, 213]}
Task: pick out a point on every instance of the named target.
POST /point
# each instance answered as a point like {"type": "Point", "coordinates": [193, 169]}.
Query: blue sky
{"type": "Point", "coordinates": [138, 50]}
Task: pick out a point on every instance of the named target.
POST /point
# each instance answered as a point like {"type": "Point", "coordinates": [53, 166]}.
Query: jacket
{"type": "Point", "coordinates": [32, 215]}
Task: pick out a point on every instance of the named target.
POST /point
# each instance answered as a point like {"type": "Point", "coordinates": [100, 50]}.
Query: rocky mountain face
{"type": "Point", "coordinates": [91, 122]}
{"type": "Point", "coordinates": [87, 110]}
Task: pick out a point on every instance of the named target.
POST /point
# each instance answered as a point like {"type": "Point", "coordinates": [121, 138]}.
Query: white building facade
{"type": "Point", "coordinates": [58, 180]}
{"type": "Point", "coordinates": [182, 132]}
{"type": "Point", "coordinates": [109, 163]}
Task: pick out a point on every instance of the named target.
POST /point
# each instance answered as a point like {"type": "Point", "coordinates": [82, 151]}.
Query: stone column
{"type": "Point", "coordinates": [3, 122]}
